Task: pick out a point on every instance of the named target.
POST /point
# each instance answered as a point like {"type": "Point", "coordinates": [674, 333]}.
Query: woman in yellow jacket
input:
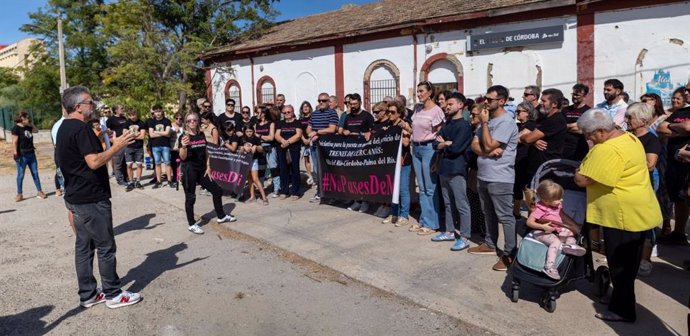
{"type": "Point", "coordinates": [620, 198]}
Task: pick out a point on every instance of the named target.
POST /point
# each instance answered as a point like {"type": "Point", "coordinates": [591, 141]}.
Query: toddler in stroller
{"type": "Point", "coordinates": [551, 229]}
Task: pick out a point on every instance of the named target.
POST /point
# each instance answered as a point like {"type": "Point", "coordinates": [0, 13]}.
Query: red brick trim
{"type": "Point", "coordinates": [230, 83]}
{"type": "Point", "coordinates": [424, 72]}
{"type": "Point", "coordinates": [339, 73]}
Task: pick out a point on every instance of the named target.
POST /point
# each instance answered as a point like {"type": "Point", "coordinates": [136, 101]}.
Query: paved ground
{"type": "Point", "coordinates": [291, 268]}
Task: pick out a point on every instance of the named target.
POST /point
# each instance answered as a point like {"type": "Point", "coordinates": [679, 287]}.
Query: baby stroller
{"type": "Point", "coordinates": [532, 253]}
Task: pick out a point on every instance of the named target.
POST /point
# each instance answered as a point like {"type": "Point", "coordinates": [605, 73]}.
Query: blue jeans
{"type": "Point", "coordinates": [422, 156]}
{"type": "Point", "coordinates": [313, 152]}
{"type": "Point", "coordinates": [497, 204]}
{"type": "Point", "coordinates": [27, 159]}
{"type": "Point", "coordinates": [161, 154]}
{"type": "Point", "coordinates": [454, 190]}
{"type": "Point", "coordinates": [272, 164]}
{"type": "Point", "coordinates": [403, 209]}
{"type": "Point", "coordinates": [59, 180]}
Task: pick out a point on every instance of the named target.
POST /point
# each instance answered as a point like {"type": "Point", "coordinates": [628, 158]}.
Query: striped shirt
{"type": "Point", "coordinates": [321, 119]}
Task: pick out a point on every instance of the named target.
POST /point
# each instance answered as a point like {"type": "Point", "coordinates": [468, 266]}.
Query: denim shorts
{"type": "Point", "coordinates": [161, 155]}
{"type": "Point", "coordinates": [255, 165]}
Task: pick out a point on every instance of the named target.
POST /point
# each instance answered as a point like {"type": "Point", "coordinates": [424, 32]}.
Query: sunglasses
{"type": "Point", "coordinates": [323, 100]}
{"type": "Point", "coordinates": [527, 94]}
{"type": "Point", "coordinates": [192, 120]}
{"type": "Point", "coordinates": [378, 111]}
{"type": "Point", "coordinates": [229, 104]}
{"type": "Point", "coordinates": [206, 106]}
{"type": "Point", "coordinates": [520, 110]}
{"type": "Point", "coordinates": [287, 112]}
{"type": "Point", "coordinates": [489, 99]}
{"type": "Point", "coordinates": [179, 118]}
{"type": "Point", "coordinates": [245, 112]}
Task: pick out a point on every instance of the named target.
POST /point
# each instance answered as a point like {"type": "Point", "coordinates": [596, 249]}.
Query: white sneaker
{"type": "Point", "coordinates": [96, 299]}
{"type": "Point", "coordinates": [364, 207]}
{"type": "Point", "coordinates": [196, 229]}
{"type": "Point", "coordinates": [124, 299]}
{"type": "Point", "coordinates": [227, 218]}
{"type": "Point", "coordinates": [645, 268]}
{"type": "Point", "coordinates": [274, 195]}
{"type": "Point", "coordinates": [310, 181]}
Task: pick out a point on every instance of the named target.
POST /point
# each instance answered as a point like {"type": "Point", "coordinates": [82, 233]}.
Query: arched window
{"type": "Point", "coordinates": [444, 71]}
{"type": "Point", "coordinates": [266, 90]}
{"type": "Point", "coordinates": [381, 79]}
{"type": "Point", "coordinates": [234, 91]}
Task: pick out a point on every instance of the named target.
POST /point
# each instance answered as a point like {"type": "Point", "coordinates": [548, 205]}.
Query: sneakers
{"type": "Point", "coordinates": [481, 249]}
{"type": "Point", "coordinates": [315, 199]}
{"type": "Point", "coordinates": [19, 198]}
{"type": "Point", "coordinates": [364, 207]}
{"type": "Point", "coordinates": [138, 185]}
{"type": "Point", "coordinates": [227, 218]}
{"type": "Point", "coordinates": [205, 192]}
{"type": "Point", "coordinates": [310, 181]}
{"type": "Point", "coordinates": [402, 221]}
{"type": "Point", "coordinates": [124, 299]}
{"type": "Point", "coordinates": [282, 196]}
{"type": "Point", "coordinates": [41, 195]}
{"type": "Point", "coordinates": [443, 236]}
{"type": "Point", "coordinates": [158, 185]}
{"type": "Point", "coordinates": [173, 185]}
{"type": "Point", "coordinates": [354, 206]}
{"type": "Point", "coordinates": [645, 268]}
{"type": "Point", "coordinates": [122, 183]}
{"type": "Point", "coordinates": [389, 220]}
{"type": "Point", "coordinates": [294, 197]}
{"type": "Point", "coordinates": [460, 244]}
{"type": "Point", "coordinates": [573, 249]}
{"type": "Point", "coordinates": [503, 263]}
{"type": "Point", "coordinates": [129, 187]}
{"type": "Point", "coordinates": [552, 272]}
{"type": "Point", "coordinates": [274, 195]}
{"type": "Point", "coordinates": [96, 299]}
{"type": "Point", "coordinates": [383, 211]}
{"type": "Point", "coordinates": [196, 229]}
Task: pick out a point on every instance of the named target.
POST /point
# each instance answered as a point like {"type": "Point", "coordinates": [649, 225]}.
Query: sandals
{"type": "Point", "coordinates": [425, 231]}
{"type": "Point", "coordinates": [414, 228]}
{"type": "Point", "coordinates": [612, 317]}
{"type": "Point", "coordinates": [265, 202]}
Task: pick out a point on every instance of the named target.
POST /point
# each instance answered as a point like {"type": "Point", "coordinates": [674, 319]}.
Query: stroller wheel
{"type": "Point", "coordinates": [548, 302]}
{"type": "Point", "coordinates": [602, 281]}
{"type": "Point", "coordinates": [515, 294]}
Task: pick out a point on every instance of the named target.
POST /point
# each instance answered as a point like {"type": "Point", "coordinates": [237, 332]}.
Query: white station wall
{"type": "Point", "coordinates": [648, 49]}
{"type": "Point", "coordinates": [239, 70]}
{"type": "Point", "coordinates": [358, 56]}
{"type": "Point", "coordinates": [513, 69]}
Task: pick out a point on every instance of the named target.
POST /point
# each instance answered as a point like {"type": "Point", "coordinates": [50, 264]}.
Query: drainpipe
{"type": "Point", "coordinates": [414, 66]}
{"type": "Point", "coordinates": [251, 61]}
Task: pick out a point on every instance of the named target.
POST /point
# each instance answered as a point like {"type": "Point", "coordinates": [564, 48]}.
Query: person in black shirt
{"type": "Point", "coordinates": [526, 116]}
{"type": "Point", "coordinates": [400, 212]}
{"type": "Point", "coordinates": [289, 136]}
{"type": "Point", "coordinates": [25, 154]}
{"type": "Point", "coordinates": [81, 159]}
{"type": "Point", "coordinates": [116, 124]}
{"type": "Point", "coordinates": [549, 135]}
{"type": "Point", "coordinates": [159, 128]}
{"type": "Point", "coordinates": [247, 119]}
{"type": "Point", "coordinates": [358, 122]}
{"type": "Point", "coordinates": [195, 170]}
{"type": "Point", "coordinates": [380, 112]}
{"type": "Point", "coordinates": [575, 146]}
{"type": "Point", "coordinates": [252, 144]}
{"type": "Point", "coordinates": [231, 117]}
{"type": "Point", "coordinates": [134, 153]}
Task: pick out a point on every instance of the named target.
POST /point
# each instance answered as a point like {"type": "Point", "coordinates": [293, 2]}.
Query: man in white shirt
{"type": "Point", "coordinates": [614, 104]}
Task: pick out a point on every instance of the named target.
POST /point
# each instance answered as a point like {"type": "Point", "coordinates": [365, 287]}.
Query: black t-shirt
{"type": "Point", "coordinates": [134, 128]}
{"type": "Point", "coordinates": [25, 138]}
{"type": "Point", "coordinates": [575, 145]}
{"type": "Point", "coordinates": [159, 126]}
{"type": "Point", "coordinates": [304, 123]}
{"type": "Point", "coordinates": [676, 143]}
{"type": "Point", "coordinates": [256, 142]}
{"type": "Point", "coordinates": [76, 139]}
{"type": "Point", "coordinates": [196, 151]}
{"type": "Point", "coordinates": [554, 129]}
{"type": "Point", "coordinates": [523, 149]}
{"type": "Point", "coordinates": [651, 143]}
{"type": "Point", "coordinates": [359, 123]}
{"type": "Point", "coordinates": [236, 119]}
{"type": "Point", "coordinates": [379, 126]}
{"type": "Point", "coordinates": [232, 138]}
{"type": "Point", "coordinates": [116, 124]}
{"type": "Point", "coordinates": [288, 130]}
{"type": "Point", "coordinates": [263, 130]}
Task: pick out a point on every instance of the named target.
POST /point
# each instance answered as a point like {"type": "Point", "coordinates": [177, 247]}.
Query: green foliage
{"type": "Point", "coordinates": [133, 52]}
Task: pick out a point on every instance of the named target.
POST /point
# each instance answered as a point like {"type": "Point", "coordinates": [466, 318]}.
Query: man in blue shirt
{"type": "Point", "coordinates": [324, 120]}
{"type": "Point", "coordinates": [451, 143]}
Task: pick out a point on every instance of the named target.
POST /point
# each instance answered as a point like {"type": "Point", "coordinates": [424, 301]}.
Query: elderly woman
{"type": "Point", "coordinates": [621, 200]}
{"type": "Point", "coordinates": [526, 116]}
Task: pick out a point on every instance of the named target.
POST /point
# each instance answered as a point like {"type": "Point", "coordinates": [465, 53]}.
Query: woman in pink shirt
{"type": "Point", "coordinates": [426, 121]}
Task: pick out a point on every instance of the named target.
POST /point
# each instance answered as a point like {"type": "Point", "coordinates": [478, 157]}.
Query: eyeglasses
{"type": "Point", "coordinates": [489, 99]}
{"type": "Point", "coordinates": [520, 110]}
{"type": "Point", "coordinates": [192, 120]}
{"type": "Point", "coordinates": [206, 106]}
{"type": "Point", "coordinates": [323, 100]}
{"type": "Point", "coordinates": [179, 118]}
{"type": "Point", "coordinates": [286, 112]}
{"type": "Point", "coordinates": [86, 102]}
{"type": "Point", "coordinates": [229, 104]}
{"type": "Point", "coordinates": [526, 94]}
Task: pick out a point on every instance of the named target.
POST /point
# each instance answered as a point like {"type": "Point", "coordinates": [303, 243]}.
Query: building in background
{"type": "Point", "coordinates": [18, 55]}
{"type": "Point", "coordinates": [387, 47]}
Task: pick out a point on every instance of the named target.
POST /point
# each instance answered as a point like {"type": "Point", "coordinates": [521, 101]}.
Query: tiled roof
{"type": "Point", "coordinates": [382, 15]}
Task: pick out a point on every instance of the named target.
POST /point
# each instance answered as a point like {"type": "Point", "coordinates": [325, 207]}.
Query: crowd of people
{"type": "Point", "coordinates": [472, 161]}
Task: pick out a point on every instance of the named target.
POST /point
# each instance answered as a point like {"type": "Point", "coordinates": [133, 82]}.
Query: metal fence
{"type": "Point", "coordinates": [268, 95]}
{"type": "Point", "coordinates": [235, 94]}
{"type": "Point", "coordinates": [382, 88]}
{"type": "Point", "coordinates": [42, 116]}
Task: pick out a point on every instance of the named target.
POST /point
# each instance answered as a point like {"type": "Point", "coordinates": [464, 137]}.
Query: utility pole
{"type": "Point", "coordinates": [61, 51]}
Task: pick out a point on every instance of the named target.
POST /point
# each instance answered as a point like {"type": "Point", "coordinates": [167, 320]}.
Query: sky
{"type": "Point", "coordinates": [15, 13]}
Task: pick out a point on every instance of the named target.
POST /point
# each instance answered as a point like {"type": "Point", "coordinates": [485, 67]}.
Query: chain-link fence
{"type": "Point", "coordinates": [42, 116]}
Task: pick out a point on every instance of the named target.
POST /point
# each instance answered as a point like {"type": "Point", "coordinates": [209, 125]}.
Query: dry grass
{"type": "Point", "coordinates": [44, 153]}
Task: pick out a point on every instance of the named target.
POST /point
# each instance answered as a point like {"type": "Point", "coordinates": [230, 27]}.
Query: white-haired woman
{"type": "Point", "coordinates": [620, 198]}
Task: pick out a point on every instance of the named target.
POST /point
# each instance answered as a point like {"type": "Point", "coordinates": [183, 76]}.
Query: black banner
{"type": "Point", "coordinates": [229, 170]}
{"type": "Point", "coordinates": [352, 168]}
